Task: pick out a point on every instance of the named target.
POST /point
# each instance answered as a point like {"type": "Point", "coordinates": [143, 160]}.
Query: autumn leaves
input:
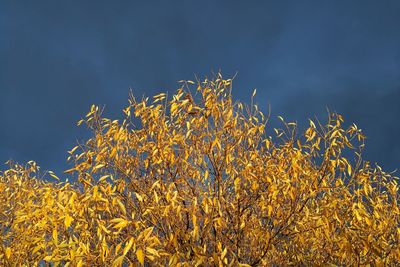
{"type": "Point", "coordinates": [195, 180]}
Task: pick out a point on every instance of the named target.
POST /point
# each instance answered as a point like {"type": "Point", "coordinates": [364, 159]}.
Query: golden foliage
{"type": "Point", "coordinates": [195, 181]}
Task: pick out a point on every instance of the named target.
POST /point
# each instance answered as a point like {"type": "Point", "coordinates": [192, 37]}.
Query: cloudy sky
{"type": "Point", "coordinates": [56, 59]}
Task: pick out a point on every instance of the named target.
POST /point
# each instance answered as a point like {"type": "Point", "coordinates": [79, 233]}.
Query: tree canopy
{"type": "Point", "coordinates": [195, 180]}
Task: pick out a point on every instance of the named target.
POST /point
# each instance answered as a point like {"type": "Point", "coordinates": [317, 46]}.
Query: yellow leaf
{"type": "Point", "coordinates": [121, 224]}
{"type": "Point", "coordinates": [139, 197]}
{"type": "Point", "coordinates": [54, 176]}
{"type": "Point", "coordinates": [159, 95]}
{"type": "Point", "coordinates": [147, 232]}
{"type": "Point", "coordinates": [55, 235]}
{"type": "Point", "coordinates": [152, 251]}
{"type": "Point", "coordinates": [117, 220]}
{"type": "Point", "coordinates": [121, 206]}
{"type": "Point", "coordinates": [103, 178]}
{"type": "Point", "coordinates": [36, 249]}
{"type": "Point", "coordinates": [335, 215]}
{"type": "Point", "coordinates": [236, 183]}
{"type": "Point", "coordinates": [254, 186]}
{"type": "Point", "coordinates": [104, 228]}
{"type": "Point", "coordinates": [117, 248]}
{"type": "Point", "coordinates": [69, 170]}
{"type": "Point", "coordinates": [174, 106]}
{"type": "Point", "coordinates": [140, 256]}
{"type": "Point", "coordinates": [67, 221]}
{"type": "Point", "coordinates": [98, 166]}
{"type": "Point", "coordinates": [118, 261]}
{"type": "Point", "coordinates": [128, 246]}
{"type": "Point", "coordinates": [223, 254]}
{"type": "Point", "coordinates": [357, 215]}
{"type": "Point", "coordinates": [188, 133]}
{"type": "Point", "coordinates": [269, 210]}
{"type": "Point", "coordinates": [73, 149]}
{"type": "Point", "coordinates": [200, 261]}
{"type": "Point", "coordinates": [8, 253]}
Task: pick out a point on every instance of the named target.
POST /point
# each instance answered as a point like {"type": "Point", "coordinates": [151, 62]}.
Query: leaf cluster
{"type": "Point", "coordinates": [194, 180]}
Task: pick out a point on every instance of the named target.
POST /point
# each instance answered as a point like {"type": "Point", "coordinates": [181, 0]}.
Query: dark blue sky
{"type": "Point", "coordinates": [57, 58]}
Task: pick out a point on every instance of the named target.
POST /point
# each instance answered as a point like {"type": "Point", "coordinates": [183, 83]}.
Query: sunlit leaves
{"type": "Point", "coordinates": [8, 253]}
{"type": "Point", "coordinates": [140, 256]}
{"type": "Point", "coordinates": [195, 179]}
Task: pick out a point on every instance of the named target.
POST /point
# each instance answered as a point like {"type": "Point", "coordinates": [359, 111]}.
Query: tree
{"type": "Point", "coordinates": [195, 181]}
